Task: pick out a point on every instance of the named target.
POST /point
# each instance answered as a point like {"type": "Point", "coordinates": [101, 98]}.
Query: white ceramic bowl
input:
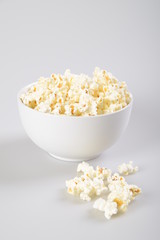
{"type": "Point", "coordinates": [73, 138]}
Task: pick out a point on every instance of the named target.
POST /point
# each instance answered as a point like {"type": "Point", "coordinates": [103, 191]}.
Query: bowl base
{"type": "Point", "coordinates": [73, 159]}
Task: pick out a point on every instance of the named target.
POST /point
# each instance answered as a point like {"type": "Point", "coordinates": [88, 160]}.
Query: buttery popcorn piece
{"type": "Point", "coordinates": [127, 168]}
{"type": "Point", "coordinates": [91, 183]}
{"type": "Point", "coordinates": [108, 207]}
{"type": "Point", "coordinates": [121, 192]}
{"type": "Point", "coordinates": [88, 170]}
{"type": "Point", "coordinates": [119, 197]}
{"type": "Point", "coordinates": [78, 95]}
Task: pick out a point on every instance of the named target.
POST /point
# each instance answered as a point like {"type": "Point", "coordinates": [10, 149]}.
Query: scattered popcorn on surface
{"type": "Point", "coordinates": [96, 182]}
{"type": "Point", "coordinates": [135, 191]}
{"type": "Point", "coordinates": [108, 207]}
{"type": "Point", "coordinates": [91, 183]}
{"type": "Point", "coordinates": [121, 192]}
{"type": "Point", "coordinates": [85, 187]}
{"type": "Point", "coordinates": [100, 204]}
{"type": "Point", "coordinates": [127, 168]}
{"type": "Point", "coordinates": [78, 95]}
{"type": "Point", "coordinates": [85, 168]}
{"type": "Point", "coordinates": [119, 197]}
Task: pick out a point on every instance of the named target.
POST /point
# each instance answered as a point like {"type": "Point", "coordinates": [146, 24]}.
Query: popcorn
{"type": "Point", "coordinates": [95, 182]}
{"type": "Point", "coordinates": [126, 169]}
{"type": "Point", "coordinates": [135, 191]}
{"type": "Point", "coordinates": [85, 187]}
{"type": "Point", "coordinates": [84, 196]}
{"type": "Point", "coordinates": [100, 204]}
{"type": "Point", "coordinates": [121, 194]}
{"type": "Point", "coordinates": [78, 95]}
{"type": "Point", "coordinates": [91, 183]}
{"type": "Point", "coordinates": [108, 207]}
{"type": "Point", "coordinates": [85, 168]}
{"type": "Point", "coordinates": [103, 173]}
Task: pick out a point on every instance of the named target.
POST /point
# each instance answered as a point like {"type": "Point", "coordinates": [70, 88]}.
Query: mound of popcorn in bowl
{"type": "Point", "coordinates": [78, 95]}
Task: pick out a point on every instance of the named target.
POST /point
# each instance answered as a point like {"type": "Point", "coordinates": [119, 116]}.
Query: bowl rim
{"type": "Point", "coordinates": [24, 89]}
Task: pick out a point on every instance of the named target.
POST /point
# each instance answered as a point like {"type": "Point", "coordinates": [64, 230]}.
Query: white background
{"type": "Point", "coordinates": [38, 38]}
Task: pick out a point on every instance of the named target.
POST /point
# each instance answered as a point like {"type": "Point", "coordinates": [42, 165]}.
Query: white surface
{"type": "Point", "coordinates": [41, 37]}
{"type": "Point", "coordinates": [73, 138]}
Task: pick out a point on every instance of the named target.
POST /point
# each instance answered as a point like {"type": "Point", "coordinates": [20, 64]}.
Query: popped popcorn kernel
{"type": "Point", "coordinates": [91, 182]}
{"type": "Point", "coordinates": [108, 207]}
{"type": "Point", "coordinates": [135, 190]}
{"type": "Point", "coordinates": [127, 168]}
{"type": "Point", "coordinates": [100, 204]}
